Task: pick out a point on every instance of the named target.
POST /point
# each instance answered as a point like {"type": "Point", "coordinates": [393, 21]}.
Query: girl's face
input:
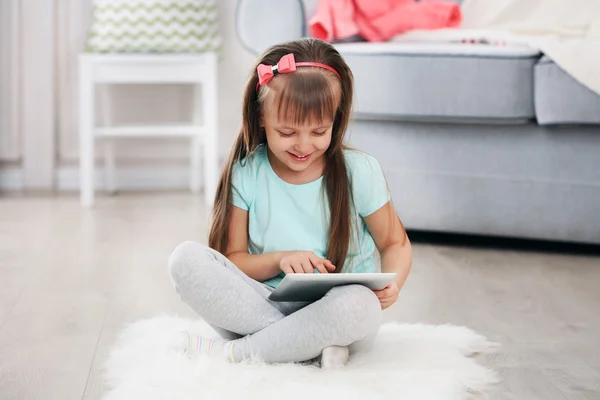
{"type": "Point", "coordinates": [298, 149]}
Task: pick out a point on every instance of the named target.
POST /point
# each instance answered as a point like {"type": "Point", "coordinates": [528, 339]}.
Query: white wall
{"type": "Point", "coordinates": [235, 69]}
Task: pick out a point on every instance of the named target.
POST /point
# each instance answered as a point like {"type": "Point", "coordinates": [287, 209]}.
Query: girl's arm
{"type": "Point", "coordinates": [260, 266]}
{"type": "Point", "coordinates": [393, 245]}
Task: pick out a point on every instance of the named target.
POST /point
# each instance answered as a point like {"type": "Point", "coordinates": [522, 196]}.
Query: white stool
{"type": "Point", "coordinates": [199, 70]}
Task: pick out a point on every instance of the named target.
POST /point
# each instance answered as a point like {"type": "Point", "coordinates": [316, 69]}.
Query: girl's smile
{"type": "Point", "coordinates": [299, 158]}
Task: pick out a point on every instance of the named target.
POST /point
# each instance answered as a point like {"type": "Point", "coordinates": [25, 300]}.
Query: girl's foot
{"type": "Point", "coordinates": [334, 357]}
{"type": "Point", "coordinates": [194, 345]}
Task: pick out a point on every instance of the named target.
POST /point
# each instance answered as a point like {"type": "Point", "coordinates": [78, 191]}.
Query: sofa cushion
{"type": "Point", "coordinates": [560, 99]}
{"type": "Point", "coordinates": [442, 81]}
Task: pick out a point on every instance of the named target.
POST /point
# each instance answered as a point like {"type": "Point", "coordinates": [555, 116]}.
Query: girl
{"type": "Point", "coordinates": [293, 199]}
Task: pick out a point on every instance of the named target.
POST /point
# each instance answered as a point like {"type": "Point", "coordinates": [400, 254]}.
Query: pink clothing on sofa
{"type": "Point", "coordinates": [380, 20]}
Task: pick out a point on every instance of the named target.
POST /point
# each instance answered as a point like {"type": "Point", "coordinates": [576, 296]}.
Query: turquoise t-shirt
{"type": "Point", "coordinates": [284, 216]}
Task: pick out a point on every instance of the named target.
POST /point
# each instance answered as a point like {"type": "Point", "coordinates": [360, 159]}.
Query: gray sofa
{"type": "Point", "coordinates": [473, 139]}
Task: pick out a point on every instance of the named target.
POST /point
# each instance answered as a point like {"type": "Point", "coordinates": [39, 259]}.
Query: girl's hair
{"type": "Point", "coordinates": [307, 95]}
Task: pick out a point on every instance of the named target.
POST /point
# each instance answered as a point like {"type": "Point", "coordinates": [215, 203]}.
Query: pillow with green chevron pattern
{"type": "Point", "coordinates": [154, 26]}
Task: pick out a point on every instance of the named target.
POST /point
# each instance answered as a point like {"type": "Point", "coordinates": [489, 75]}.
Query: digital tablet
{"type": "Point", "coordinates": [311, 287]}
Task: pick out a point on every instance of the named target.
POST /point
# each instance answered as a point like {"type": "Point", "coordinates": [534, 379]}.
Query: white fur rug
{"type": "Point", "coordinates": [407, 362]}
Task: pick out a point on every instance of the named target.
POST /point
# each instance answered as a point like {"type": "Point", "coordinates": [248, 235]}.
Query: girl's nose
{"type": "Point", "coordinates": [303, 145]}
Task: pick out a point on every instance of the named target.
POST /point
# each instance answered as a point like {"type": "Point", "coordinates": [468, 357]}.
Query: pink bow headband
{"type": "Point", "coordinates": [285, 65]}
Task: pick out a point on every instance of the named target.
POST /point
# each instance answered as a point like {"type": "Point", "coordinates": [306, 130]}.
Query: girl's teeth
{"type": "Point", "coordinates": [300, 157]}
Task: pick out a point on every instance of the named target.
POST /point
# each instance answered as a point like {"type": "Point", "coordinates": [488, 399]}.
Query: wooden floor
{"type": "Point", "coordinates": [69, 279]}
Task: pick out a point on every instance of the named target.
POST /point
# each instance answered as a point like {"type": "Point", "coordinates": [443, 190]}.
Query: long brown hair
{"type": "Point", "coordinates": [309, 93]}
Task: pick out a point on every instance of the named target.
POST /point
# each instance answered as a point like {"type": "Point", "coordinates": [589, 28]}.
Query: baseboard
{"type": "Point", "coordinates": [11, 179]}
{"type": "Point", "coordinates": [127, 178]}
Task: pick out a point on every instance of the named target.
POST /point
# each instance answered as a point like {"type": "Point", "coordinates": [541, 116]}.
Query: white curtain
{"type": "Point", "coordinates": [72, 21]}
{"type": "Point", "coordinates": [10, 143]}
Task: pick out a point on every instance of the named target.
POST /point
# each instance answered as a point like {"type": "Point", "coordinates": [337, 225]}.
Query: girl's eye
{"type": "Point", "coordinates": [320, 133]}
{"type": "Point", "coordinates": [283, 134]}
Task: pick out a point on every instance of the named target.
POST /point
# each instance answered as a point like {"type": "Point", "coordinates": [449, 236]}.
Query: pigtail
{"type": "Point", "coordinates": [338, 194]}
{"type": "Point", "coordinates": [249, 137]}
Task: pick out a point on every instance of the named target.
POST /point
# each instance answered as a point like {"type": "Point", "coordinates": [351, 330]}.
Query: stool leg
{"type": "Point", "coordinates": [86, 132]}
{"type": "Point", "coordinates": [195, 155]}
{"type": "Point", "coordinates": [196, 142]}
{"type": "Point", "coordinates": [109, 144]}
{"type": "Point", "coordinates": [109, 166]}
{"type": "Point", "coordinates": [211, 144]}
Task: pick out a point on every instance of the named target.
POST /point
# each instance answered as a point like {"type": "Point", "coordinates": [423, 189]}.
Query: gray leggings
{"type": "Point", "coordinates": [236, 306]}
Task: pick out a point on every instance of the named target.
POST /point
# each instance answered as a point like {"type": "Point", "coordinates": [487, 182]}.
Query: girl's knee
{"type": "Point", "coordinates": [359, 296]}
{"type": "Point", "coordinates": [359, 307]}
{"type": "Point", "coordinates": [187, 257]}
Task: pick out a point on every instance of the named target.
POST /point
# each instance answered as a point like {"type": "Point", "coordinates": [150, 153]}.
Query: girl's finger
{"type": "Point", "coordinates": [386, 302]}
{"type": "Point", "coordinates": [386, 294]}
{"type": "Point", "coordinates": [328, 265]}
{"type": "Point", "coordinates": [287, 268]}
{"type": "Point", "coordinates": [321, 268]}
{"type": "Point", "coordinates": [387, 290]}
{"type": "Point", "coordinates": [297, 267]}
{"type": "Point", "coordinates": [307, 267]}
{"type": "Point", "coordinates": [317, 263]}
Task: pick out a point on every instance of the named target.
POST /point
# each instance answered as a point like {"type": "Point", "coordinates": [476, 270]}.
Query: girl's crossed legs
{"type": "Point", "coordinates": [237, 306]}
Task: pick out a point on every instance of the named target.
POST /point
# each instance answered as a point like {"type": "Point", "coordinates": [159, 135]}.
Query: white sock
{"type": "Point", "coordinates": [196, 345]}
{"type": "Point", "coordinates": [334, 357]}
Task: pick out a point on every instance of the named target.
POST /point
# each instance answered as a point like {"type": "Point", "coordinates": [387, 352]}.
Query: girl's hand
{"type": "Point", "coordinates": [388, 295]}
{"type": "Point", "coordinates": [304, 262]}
